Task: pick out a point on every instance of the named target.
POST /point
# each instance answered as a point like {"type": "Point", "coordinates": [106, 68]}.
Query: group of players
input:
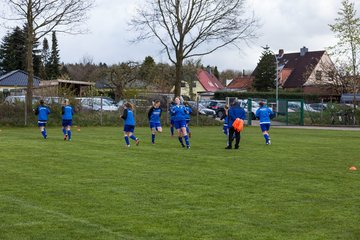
{"type": "Point", "coordinates": [179, 119]}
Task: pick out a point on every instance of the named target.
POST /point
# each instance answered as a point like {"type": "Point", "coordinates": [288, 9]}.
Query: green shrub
{"type": "Point", "coordinates": [272, 95]}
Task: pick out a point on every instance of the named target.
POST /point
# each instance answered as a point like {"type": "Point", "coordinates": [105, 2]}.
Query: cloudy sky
{"type": "Point", "coordinates": [288, 25]}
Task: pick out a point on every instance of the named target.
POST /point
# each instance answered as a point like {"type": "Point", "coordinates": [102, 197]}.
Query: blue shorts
{"type": "Point", "coordinates": [265, 127]}
{"type": "Point", "coordinates": [226, 130]}
{"type": "Point", "coordinates": [42, 123]}
{"type": "Point", "coordinates": [66, 123]}
{"type": "Point", "coordinates": [172, 122]}
{"type": "Point", "coordinates": [129, 128]}
{"type": "Point", "coordinates": [155, 125]}
{"type": "Point", "coordinates": [180, 124]}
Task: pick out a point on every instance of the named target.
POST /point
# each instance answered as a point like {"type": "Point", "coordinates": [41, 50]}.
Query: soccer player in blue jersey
{"type": "Point", "coordinates": [235, 111]}
{"type": "Point", "coordinates": [42, 112]}
{"type": "Point", "coordinates": [172, 124]}
{"type": "Point", "coordinates": [180, 112]}
{"type": "Point", "coordinates": [129, 124]}
{"type": "Point", "coordinates": [264, 114]}
{"type": "Point", "coordinates": [225, 119]}
{"type": "Point", "coordinates": [154, 116]}
{"type": "Point", "coordinates": [188, 113]}
{"type": "Point", "coordinates": [67, 112]}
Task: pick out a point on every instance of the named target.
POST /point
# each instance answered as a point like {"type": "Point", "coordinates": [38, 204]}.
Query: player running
{"type": "Point", "coordinates": [180, 112]}
{"type": "Point", "coordinates": [154, 116]}
{"type": "Point", "coordinates": [264, 114]}
{"type": "Point", "coordinates": [188, 113]}
{"type": "Point", "coordinates": [67, 112]}
{"type": "Point", "coordinates": [129, 124]}
{"type": "Point", "coordinates": [42, 112]}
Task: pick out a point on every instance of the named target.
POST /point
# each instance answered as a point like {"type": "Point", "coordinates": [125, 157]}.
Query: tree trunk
{"type": "Point", "coordinates": [29, 63]}
{"type": "Point", "coordinates": [178, 77]}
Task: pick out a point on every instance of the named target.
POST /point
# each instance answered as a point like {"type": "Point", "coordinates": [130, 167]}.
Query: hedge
{"type": "Point", "coordinates": [272, 95]}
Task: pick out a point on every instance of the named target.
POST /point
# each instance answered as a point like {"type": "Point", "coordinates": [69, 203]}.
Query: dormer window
{"type": "Point", "coordinates": [318, 75]}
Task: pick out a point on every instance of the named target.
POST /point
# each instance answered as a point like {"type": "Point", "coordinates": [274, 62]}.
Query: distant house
{"type": "Point", "coordinates": [16, 81]}
{"type": "Point", "coordinates": [304, 70]}
{"type": "Point", "coordinates": [243, 83]}
{"type": "Point", "coordinates": [58, 86]}
{"type": "Point", "coordinates": [206, 83]}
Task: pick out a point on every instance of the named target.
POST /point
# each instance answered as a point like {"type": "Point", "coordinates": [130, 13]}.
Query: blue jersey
{"type": "Point", "coordinates": [264, 114]}
{"type": "Point", "coordinates": [226, 121]}
{"type": "Point", "coordinates": [154, 115]}
{"type": "Point", "coordinates": [128, 116]}
{"type": "Point", "coordinates": [235, 112]}
{"type": "Point", "coordinates": [42, 112]}
{"type": "Point", "coordinates": [67, 112]}
{"type": "Point", "coordinates": [188, 112]}
{"type": "Point", "coordinates": [172, 115]}
{"type": "Point", "coordinates": [179, 112]}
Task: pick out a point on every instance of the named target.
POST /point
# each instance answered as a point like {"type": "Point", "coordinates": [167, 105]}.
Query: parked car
{"type": "Point", "coordinates": [53, 100]}
{"type": "Point", "coordinates": [214, 104]}
{"type": "Point", "coordinates": [94, 103]}
{"type": "Point", "coordinates": [296, 106]}
{"type": "Point", "coordinates": [202, 109]}
{"type": "Point", "coordinates": [254, 107]}
{"type": "Point", "coordinates": [18, 99]}
{"type": "Point", "coordinates": [318, 106]}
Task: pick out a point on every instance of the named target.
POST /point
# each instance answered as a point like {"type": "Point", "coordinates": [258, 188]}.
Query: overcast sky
{"type": "Point", "coordinates": [286, 24]}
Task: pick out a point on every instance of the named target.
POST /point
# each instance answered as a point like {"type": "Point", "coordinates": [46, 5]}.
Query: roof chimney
{"type": "Point", "coordinates": [303, 51]}
{"type": "Point", "coordinates": [281, 52]}
{"type": "Point", "coordinates": [208, 69]}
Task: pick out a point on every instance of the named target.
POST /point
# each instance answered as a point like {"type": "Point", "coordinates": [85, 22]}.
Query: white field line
{"type": "Point", "coordinates": [20, 224]}
{"type": "Point", "coordinates": [60, 215]}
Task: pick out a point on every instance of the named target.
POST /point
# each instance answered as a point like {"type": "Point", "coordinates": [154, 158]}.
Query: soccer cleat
{"type": "Point", "coordinates": [137, 142]}
{"type": "Point", "coordinates": [228, 147]}
{"type": "Point", "coordinates": [182, 145]}
{"type": "Point", "coordinates": [65, 137]}
{"type": "Point", "coordinates": [188, 147]}
{"type": "Point", "coordinates": [128, 146]}
{"type": "Point", "coordinates": [236, 147]}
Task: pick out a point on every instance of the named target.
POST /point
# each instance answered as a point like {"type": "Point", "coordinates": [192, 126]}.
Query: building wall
{"type": "Point", "coordinates": [196, 90]}
{"type": "Point", "coordinates": [324, 66]}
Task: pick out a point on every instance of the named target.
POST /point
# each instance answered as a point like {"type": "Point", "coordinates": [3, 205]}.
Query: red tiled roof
{"type": "Point", "coordinates": [209, 81]}
{"type": "Point", "coordinates": [241, 83]}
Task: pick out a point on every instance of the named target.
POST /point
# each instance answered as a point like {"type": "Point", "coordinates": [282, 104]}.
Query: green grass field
{"type": "Point", "coordinates": [94, 187]}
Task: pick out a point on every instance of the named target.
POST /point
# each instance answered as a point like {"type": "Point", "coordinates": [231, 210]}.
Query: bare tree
{"type": "Point", "coordinates": [121, 75]}
{"type": "Point", "coordinates": [193, 28]}
{"type": "Point", "coordinates": [42, 17]}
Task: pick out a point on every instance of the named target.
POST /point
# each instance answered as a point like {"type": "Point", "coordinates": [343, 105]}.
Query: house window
{"type": "Point", "coordinates": [183, 84]}
{"type": "Point", "coordinates": [318, 75]}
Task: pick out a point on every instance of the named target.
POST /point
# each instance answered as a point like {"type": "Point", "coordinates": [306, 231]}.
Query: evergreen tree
{"type": "Point", "coordinates": [45, 57]}
{"type": "Point", "coordinates": [265, 72]}
{"type": "Point", "coordinates": [216, 73]}
{"type": "Point", "coordinates": [147, 70]}
{"type": "Point", "coordinates": [53, 65]}
{"type": "Point", "coordinates": [12, 51]}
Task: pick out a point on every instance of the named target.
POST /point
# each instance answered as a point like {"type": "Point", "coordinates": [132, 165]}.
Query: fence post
{"type": "Point", "coordinates": [197, 110]}
{"type": "Point", "coordinates": [302, 113]}
{"type": "Point", "coordinates": [249, 108]}
{"type": "Point", "coordinates": [101, 110]}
